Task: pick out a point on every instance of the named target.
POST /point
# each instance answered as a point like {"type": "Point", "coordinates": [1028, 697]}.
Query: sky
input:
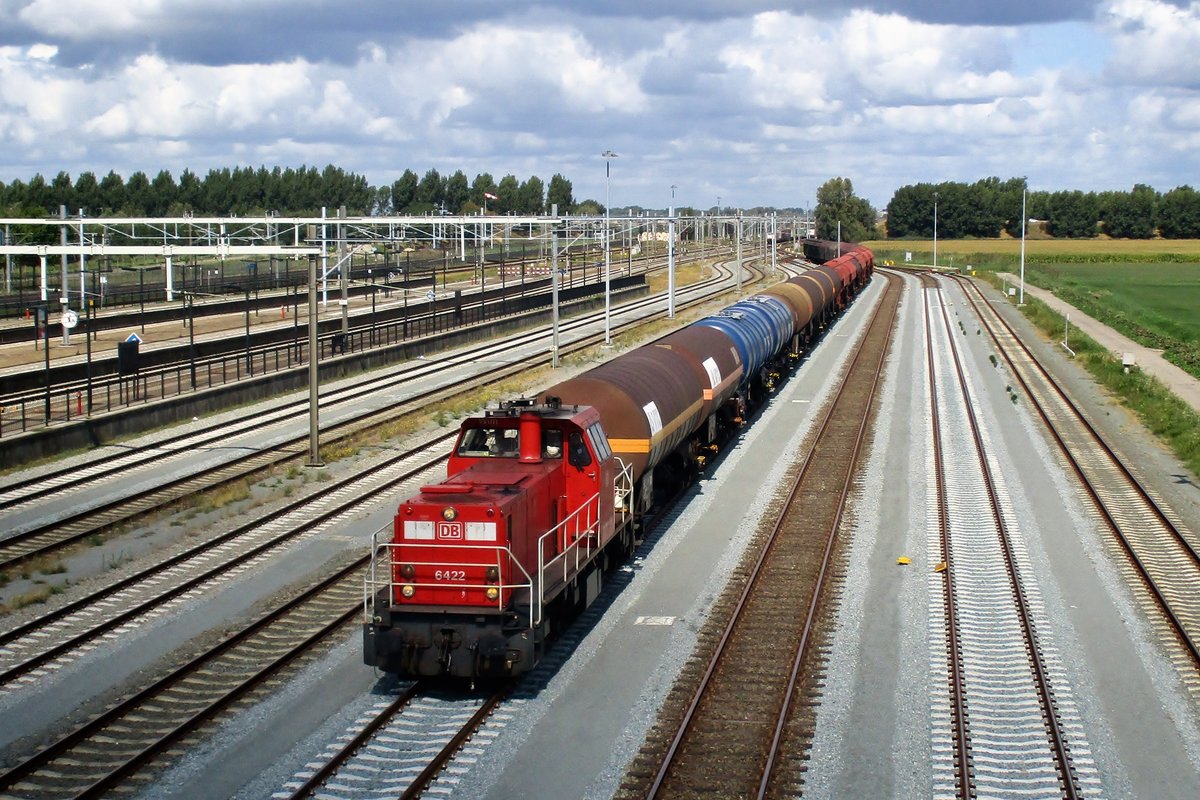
{"type": "Point", "coordinates": [742, 102]}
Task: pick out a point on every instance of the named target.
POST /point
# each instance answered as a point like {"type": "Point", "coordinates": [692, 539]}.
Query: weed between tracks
{"type": "Point", "coordinates": [224, 495]}
{"type": "Point", "coordinates": [41, 592]}
{"type": "Point", "coordinates": [34, 596]}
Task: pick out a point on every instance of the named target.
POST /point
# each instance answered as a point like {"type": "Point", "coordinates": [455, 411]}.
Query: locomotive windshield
{"type": "Point", "coordinates": [494, 442]}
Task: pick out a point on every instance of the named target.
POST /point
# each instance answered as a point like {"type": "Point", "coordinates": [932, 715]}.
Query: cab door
{"type": "Point", "coordinates": [582, 483]}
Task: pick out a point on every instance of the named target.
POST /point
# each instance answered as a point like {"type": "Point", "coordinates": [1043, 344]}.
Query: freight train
{"type": "Point", "coordinates": [545, 495]}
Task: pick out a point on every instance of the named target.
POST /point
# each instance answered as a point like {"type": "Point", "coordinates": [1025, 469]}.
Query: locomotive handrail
{"type": "Point", "coordinates": [581, 545]}
{"type": "Point", "coordinates": [372, 583]}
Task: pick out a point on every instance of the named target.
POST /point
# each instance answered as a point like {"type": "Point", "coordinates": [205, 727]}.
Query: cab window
{"type": "Point", "coordinates": [599, 441]}
{"type": "Point", "coordinates": [552, 441]}
{"type": "Point", "coordinates": [577, 452]}
{"type": "Point", "coordinates": [489, 442]}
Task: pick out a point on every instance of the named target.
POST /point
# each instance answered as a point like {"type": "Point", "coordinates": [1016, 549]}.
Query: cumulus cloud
{"type": "Point", "coordinates": [765, 63]}
{"type": "Point", "coordinates": [89, 19]}
{"type": "Point", "coordinates": [906, 61]}
{"type": "Point", "coordinates": [766, 98]}
{"type": "Point", "coordinates": [1014, 12]}
{"type": "Point", "coordinates": [1155, 43]}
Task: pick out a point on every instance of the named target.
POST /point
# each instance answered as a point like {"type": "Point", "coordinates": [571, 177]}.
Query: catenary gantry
{"type": "Point", "coordinates": [250, 238]}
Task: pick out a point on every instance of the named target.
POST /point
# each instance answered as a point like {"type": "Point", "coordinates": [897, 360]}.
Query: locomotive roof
{"type": "Point", "coordinates": [550, 408]}
{"type": "Point", "coordinates": [488, 483]}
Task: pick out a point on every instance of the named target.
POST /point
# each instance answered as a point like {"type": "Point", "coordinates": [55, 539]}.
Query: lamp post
{"type": "Point", "coordinates": [1024, 219]}
{"type": "Point", "coordinates": [607, 155]}
{"type": "Point", "coordinates": [87, 337]}
{"type": "Point", "coordinates": [44, 312]}
{"type": "Point", "coordinates": [935, 199]}
{"type": "Point", "coordinates": [738, 257]}
{"type": "Point", "coordinates": [246, 290]}
{"type": "Point", "coordinates": [314, 446]}
{"type": "Point", "coordinates": [190, 299]}
{"type": "Point", "coordinates": [553, 291]}
{"type": "Point", "coordinates": [404, 290]}
{"type": "Point", "coordinates": [671, 257]}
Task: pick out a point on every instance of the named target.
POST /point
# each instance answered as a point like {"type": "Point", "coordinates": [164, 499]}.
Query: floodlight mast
{"type": "Point", "coordinates": [607, 155]}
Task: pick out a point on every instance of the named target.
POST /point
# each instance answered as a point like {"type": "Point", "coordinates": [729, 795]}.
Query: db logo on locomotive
{"type": "Point", "coordinates": [450, 530]}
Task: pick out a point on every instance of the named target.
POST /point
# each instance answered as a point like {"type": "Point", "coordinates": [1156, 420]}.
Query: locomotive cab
{"type": "Point", "coordinates": [475, 563]}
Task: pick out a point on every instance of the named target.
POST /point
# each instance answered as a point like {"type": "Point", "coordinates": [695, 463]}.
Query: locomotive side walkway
{"type": "Point", "coordinates": [1147, 359]}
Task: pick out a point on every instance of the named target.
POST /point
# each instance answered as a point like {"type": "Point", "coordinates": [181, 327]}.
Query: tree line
{"type": "Point", "coordinates": [987, 207]}
{"type": "Point", "coordinates": [303, 191]}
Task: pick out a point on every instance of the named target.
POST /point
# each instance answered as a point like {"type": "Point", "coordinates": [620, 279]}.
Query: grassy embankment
{"type": "Point", "coordinates": [1147, 290]}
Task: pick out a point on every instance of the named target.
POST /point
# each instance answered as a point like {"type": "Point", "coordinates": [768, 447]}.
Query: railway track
{"type": "Point", "coordinates": [39, 540]}
{"type": "Point", "coordinates": [744, 720]}
{"type": "Point", "coordinates": [55, 479]}
{"type": "Point", "coordinates": [151, 724]}
{"type": "Point", "coordinates": [76, 628]}
{"type": "Point", "coordinates": [25, 409]}
{"type": "Point", "coordinates": [1002, 728]}
{"type": "Point", "coordinates": [70, 631]}
{"type": "Point", "coordinates": [170, 378]}
{"type": "Point", "coordinates": [390, 753]}
{"type": "Point", "coordinates": [1159, 551]}
{"type": "Point", "coordinates": [117, 746]}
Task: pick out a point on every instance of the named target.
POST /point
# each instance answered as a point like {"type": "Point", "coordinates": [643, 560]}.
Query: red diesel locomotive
{"type": "Point", "coordinates": [543, 496]}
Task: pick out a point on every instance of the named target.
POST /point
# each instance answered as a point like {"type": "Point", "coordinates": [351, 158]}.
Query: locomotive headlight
{"type": "Point", "coordinates": [449, 513]}
{"type": "Point", "coordinates": [492, 593]}
{"type": "Point", "coordinates": [408, 590]}
{"type": "Point", "coordinates": [493, 573]}
{"type": "Point", "coordinates": [408, 571]}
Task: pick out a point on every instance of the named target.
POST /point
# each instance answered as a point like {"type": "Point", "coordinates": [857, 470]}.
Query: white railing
{"type": "Point", "coordinates": [576, 540]}
{"type": "Point", "coordinates": [380, 573]}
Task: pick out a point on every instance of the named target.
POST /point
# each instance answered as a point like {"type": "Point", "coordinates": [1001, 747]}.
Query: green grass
{"type": "Point", "coordinates": [1170, 419]}
{"type": "Point", "coordinates": [1154, 304]}
{"type": "Point", "coordinates": [1148, 290]}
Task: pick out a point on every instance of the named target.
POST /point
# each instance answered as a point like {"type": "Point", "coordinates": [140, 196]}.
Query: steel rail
{"type": "Point", "coordinates": [686, 722]}
{"type": "Point", "coordinates": [169, 373]}
{"type": "Point", "coordinates": [123, 708]}
{"type": "Point", "coordinates": [42, 484]}
{"type": "Point", "coordinates": [215, 571]}
{"type": "Point", "coordinates": [1194, 554]}
{"type": "Point", "coordinates": [1130, 550]}
{"type": "Point", "coordinates": [208, 574]}
{"type": "Point", "coordinates": [818, 590]}
{"type": "Point", "coordinates": [331, 767]}
{"type": "Point", "coordinates": [89, 521]}
{"type": "Point", "coordinates": [1055, 734]}
{"type": "Point", "coordinates": [959, 711]}
{"type": "Point", "coordinates": [427, 775]}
